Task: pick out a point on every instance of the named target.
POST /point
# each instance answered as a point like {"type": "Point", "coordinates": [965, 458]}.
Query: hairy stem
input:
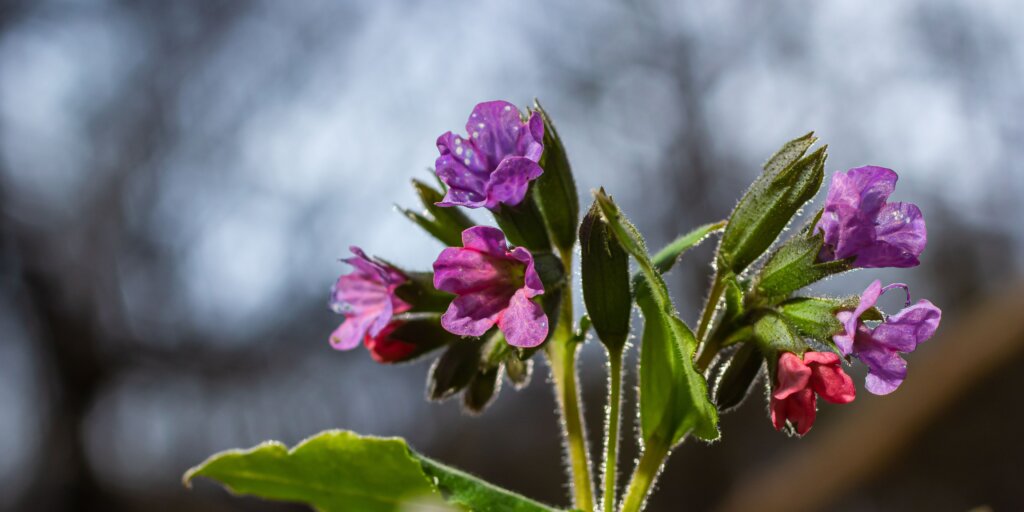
{"type": "Point", "coordinates": [561, 352]}
{"type": "Point", "coordinates": [651, 462]}
{"type": "Point", "coordinates": [611, 438]}
{"type": "Point", "coordinates": [710, 307]}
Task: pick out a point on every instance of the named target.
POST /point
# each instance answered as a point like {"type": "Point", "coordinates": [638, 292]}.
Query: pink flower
{"type": "Point", "coordinates": [799, 380]}
{"type": "Point", "coordinates": [493, 285]}
{"type": "Point", "coordinates": [386, 349]}
{"type": "Point", "coordinates": [366, 297]}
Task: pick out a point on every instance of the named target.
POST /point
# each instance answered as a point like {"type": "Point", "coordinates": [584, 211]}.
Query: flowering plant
{"type": "Point", "coordinates": [499, 297]}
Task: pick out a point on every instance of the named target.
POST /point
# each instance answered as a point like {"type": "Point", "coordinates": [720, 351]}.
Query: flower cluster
{"type": "Point", "coordinates": [858, 224]}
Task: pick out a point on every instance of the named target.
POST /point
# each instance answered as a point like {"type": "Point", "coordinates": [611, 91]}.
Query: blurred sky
{"type": "Point", "coordinates": [188, 173]}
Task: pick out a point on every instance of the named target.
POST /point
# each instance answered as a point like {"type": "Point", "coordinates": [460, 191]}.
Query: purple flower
{"type": "Point", "coordinates": [493, 285]}
{"type": "Point", "coordinates": [496, 162]}
{"type": "Point", "coordinates": [879, 348]}
{"type": "Point", "coordinates": [367, 299]}
{"type": "Point", "coordinates": [858, 222]}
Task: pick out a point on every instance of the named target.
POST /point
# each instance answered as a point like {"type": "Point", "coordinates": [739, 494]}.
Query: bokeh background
{"type": "Point", "coordinates": [178, 179]}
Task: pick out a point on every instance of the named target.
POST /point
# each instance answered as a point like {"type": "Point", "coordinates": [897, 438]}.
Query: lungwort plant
{"type": "Point", "coordinates": [499, 297]}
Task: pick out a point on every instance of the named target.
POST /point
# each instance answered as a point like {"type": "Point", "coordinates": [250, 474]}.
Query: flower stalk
{"type": "Point", "coordinates": [647, 469]}
{"type": "Point", "coordinates": [613, 421]}
{"type": "Point", "coordinates": [561, 352]}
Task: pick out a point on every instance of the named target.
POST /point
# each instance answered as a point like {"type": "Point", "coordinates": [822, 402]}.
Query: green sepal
{"type": "Point", "coordinates": [451, 372]}
{"type": "Point", "coordinates": [604, 267]}
{"type": "Point", "coordinates": [523, 225]}
{"type": "Point", "coordinates": [738, 377]}
{"type": "Point", "coordinates": [787, 183]}
{"type": "Point", "coordinates": [550, 270]}
{"type": "Point", "coordinates": [815, 317]}
{"type": "Point", "coordinates": [482, 389]}
{"type": "Point", "coordinates": [774, 336]}
{"type": "Point", "coordinates": [340, 471]}
{"type": "Point", "coordinates": [423, 331]}
{"type": "Point", "coordinates": [555, 190]}
{"type": "Point", "coordinates": [419, 292]}
{"type": "Point", "coordinates": [795, 265]}
{"type": "Point", "coordinates": [673, 394]}
{"type": "Point", "coordinates": [518, 371]}
{"type": "Point", "coordinates": [443, 223]}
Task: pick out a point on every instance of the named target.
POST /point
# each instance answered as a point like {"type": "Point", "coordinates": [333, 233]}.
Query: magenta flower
{"type": "Point", "coordinates": [367, 299]}
{"type": "Point", "coordinates": [495, 163]}
{"type": "Point", "coordinates": [798, 381]}
{"type": "Point", "coordinates": [858, 222]}
{"type": "Point", "coordinates": [880, 348]}
{"type": "Point", "coordinates": [494, 285]}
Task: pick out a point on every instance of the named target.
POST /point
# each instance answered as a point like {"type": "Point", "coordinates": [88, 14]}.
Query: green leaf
{"type": "Point", "coordinates": [667, 257]}
{"type": "Point", "coordinates": [771, 202]}
{"type": "Point", "coordinates": [795, 265]}
{"type": "Point", "coordinates": [338, 471]}
{"type": "Point", "coordinates": [738, 377]}
{"type": "Point", "coordinates": [673, 395]}
{"type": "Point", "coordinates": [444, 223]}
{"type": "Point", "coordinates": [604, 267]}
{"type": "Point", "coordinates": [333, 471]}
{"type": "Point", "coordinates": [464, 489]}
{"type": "Point", "coordinates": [555, 190]}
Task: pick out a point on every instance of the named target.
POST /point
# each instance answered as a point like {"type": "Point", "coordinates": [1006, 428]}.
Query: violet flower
{"type": "Point", "coordinates": [858, 222]}
{"type": "Point", "coordinates": [793, 399]}
{"type": "Point", "coordinates": [366, 297]}
{"type": "Point", "coordinates": [879, 348]}
{"type": "Point", "coordinates": [494, 285]}
{"type": "Point", "coordinates": [495, 163]}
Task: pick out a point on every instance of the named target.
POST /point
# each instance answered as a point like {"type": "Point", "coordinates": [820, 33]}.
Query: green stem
{"type": "Point", "coordinates": [711, 307]}
{"type": "Point", "coordinates": [561, 352]}
{"type": "Point", "coordinates": [646, 473]}
{"type": "Point", "coordinates": [611, 440]}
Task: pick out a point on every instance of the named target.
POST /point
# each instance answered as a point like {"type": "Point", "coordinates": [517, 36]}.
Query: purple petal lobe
{"type": "Point", "coordinates": [510, 181]}
{"type": "Point", "coordinates": [474, 314]}
{"type": "Point", "coordinates": [908, 328]}
{"type": "Point", "coordinates": [886, 370]}
{"type": "Point", "coordinates": [524, 323]}
{"type": "Point", "coordinates": [900, 238]}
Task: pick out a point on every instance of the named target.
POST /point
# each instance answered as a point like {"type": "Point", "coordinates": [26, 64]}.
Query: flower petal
{"type": "Point", "coordinates": [351, 332]}
{"type": "Point", "coordinates": [509, 182]}
{"type": "Point", "coordinates": [463, 271]}
{"type": "Point", "coordinates": [908, 328]}
{"type": "Point", "coordinates": [900, 238]}
{"type": "Point", "coordinates": [475, 313]}
{"type": "Point", "coordinates": [524, 322]}
{"type": "Point", "coordinates": [886, 370]}
{"type": "Point", "coordinates": [531, 141]}
{"type": "Point", "coordinates": [792, 376]}
{"type": "Point", "coordinates": [830, 382]}
{"type": "Point", "coordinates": [531, 280]}
{"type": "Point", "coordinates": [486, 239]}
{"type": "Point", "coordinates": [465, 187]}
{"type": "Point", "coordinates": [495, 127]}
{"type": "Point", "coordinates": [799, 409]}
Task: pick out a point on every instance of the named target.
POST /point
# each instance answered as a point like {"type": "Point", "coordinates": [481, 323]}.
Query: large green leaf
{"type": "Point", "coordinates": [342, 471]}
{"type": "Point", "coordinates": [673, 395]}
{"type": "Point", "coordinates": [787, 182]}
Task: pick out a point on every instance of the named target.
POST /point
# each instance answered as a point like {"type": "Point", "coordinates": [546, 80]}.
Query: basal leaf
{"type": "Point", "coordinates": [340, 471]}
